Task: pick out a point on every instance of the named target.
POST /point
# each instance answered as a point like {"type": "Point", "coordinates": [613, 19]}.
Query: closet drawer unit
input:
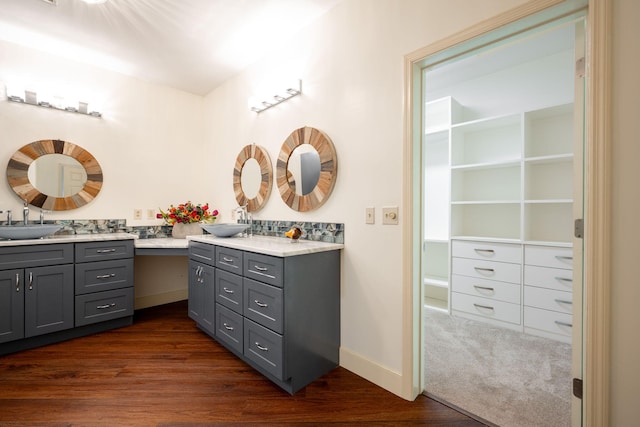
{"type": "Point", "coordinates": [202, 252]}
{"type": "Point", "coordinates": [548, 256]}
{"type": "Point", "coordinates": [501, 271]}
{"type": "Point", "coordinates": [229, 326]}
{"type": "Point", "coordinates": [548, 299]}
{"type": "Point", "coordinates": [103, 275]}
{"type": "Point", "coordinates": [503, 252]}
{"type": "Point", "coordinates": [548, 321]}
{"type": "Point", "coordinates": [264, 348]}
{"type": "Point", "coordinates": [100, 306]}
{"type": "Point", "coordinates": [485, 307]}
{"type": "Point", "coordinates": [500, 291]}
{"type": "Point", "coordinates": [265, 268]}
{"type": "Point", "coordinates": [229, 259]}
{"type": "Point", "coordinates": [102, 251]}
{"type": "Point", "coordinates": [550, 278]}
{"type": "Point", "coordinates": [263, 304]}
{"type": "Point", "coordinates": [229, 290]}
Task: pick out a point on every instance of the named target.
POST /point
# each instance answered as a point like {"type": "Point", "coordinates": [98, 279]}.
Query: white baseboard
{"type": "Point", "coordinates": [159, 299]}
{"type": "Point", "coordinates": [369, 370]}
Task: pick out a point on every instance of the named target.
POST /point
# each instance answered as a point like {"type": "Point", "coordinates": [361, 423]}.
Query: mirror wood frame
{"type": "Point", "coordinates": [328, 169]}
{"type": "Point", "coordinates": [18, 178]}
{"type": "Point", "coordinates": [258, 153]}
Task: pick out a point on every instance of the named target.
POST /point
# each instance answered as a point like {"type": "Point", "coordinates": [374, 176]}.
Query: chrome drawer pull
{"type": "Point", "coordinates": [105, 251]}
{"type": "Point", "coordinates": [17, 282]}
{"type": "Point", "coordinates": [257, 267]}
{"type": "Point", "coordinates": [488, 270]}
{"type": "Point", "coordinates": [488, 251]}
{"type": "Point", "coordinates": [106, 276]}
{"type": "Point", "coordinates": [261, 347]}
{"type": "Point", "coordinates": [486, 307]}
{"type": "Point", "coordinates": [30, 280]}
{"type": "Point", "coordinates": [227, 327]}
{"type": "Point", "coordinates": [563, 279]}
{"type": "Point", "coordinates": [260, 304]}
{"type": "Point", "coordinates": [102, 307]}
{"type": "Point", "coordinates": [225, 259]}
{"type": "Point", "coordinates": [558, 322]}
{"type": "Point", "coordinates": [484, 288]}
{"type": "Point", "coordinates": [566, 258]}
{"type": "Point", "coordinates": [563, 301]}
{"type": "Point", "coordinates": [227, 290]}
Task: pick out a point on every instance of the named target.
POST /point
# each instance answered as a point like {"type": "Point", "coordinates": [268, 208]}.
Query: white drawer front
{"type": "Point", "coordinates": [548, 256]}
{"type": "Point", "coordinates": [503, 252]}
{"type": "Point", "coordinates": [548, 299]}
{"type": "Point", "coordinates": [501, 291]}
{"type": "Point", "coordinates": [491, 309]}
{"type": "Point", "coordinates": [551, 278]}
{"type": "Point", "coordinates": [502, 271]}
{"type": "Point", "coordinates": [548, 321]}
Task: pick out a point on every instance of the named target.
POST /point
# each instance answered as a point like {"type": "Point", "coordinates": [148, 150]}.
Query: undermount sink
{"type": "Point", "coordinates": [224, 230]}
{"type": "Point", "coordinates": [31, 231]}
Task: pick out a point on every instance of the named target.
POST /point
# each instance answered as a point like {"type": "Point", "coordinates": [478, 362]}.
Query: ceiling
{"type": "Point", "coordinates": [191, 45]}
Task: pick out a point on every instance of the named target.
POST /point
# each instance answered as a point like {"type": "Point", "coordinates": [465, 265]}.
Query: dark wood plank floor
{"type": "Point", "coordinates": [163, 371]}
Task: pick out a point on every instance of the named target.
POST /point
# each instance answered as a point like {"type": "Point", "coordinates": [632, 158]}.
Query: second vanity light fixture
{"type": "Point", "coordinates": [277, 96]}
{"type": "Point", "coordinates": [43, 99]}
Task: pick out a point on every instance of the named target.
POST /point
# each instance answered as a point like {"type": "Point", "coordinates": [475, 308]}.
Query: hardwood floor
{"type": "Point", "coordinates": [163, 371]}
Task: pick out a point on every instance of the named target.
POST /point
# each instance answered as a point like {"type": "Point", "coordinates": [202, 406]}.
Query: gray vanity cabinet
{"type": "Point", "coordinates": [201, 285]}
{"type": "Point", "coordinates": [11, 305]}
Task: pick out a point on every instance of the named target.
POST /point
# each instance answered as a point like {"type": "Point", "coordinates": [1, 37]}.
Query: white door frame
{"type": "Point", "coordinates": [597, 270]}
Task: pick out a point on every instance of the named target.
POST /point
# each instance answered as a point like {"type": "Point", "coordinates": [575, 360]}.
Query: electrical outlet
{"type": "Point", "coordinates": [370, 215]}
{"type": "Point", "coordinates": [390, 215]}
{"type": "Point", "coordinates": [151, 213]}
{"type": "Point", "coordinates": [137, 214]}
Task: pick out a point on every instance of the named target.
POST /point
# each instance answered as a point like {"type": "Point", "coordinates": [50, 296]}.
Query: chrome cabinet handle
{"type": "Point", "coordinates": [225, 259]}
{"type": "Point", "coordinates": [106, 276]}
{"type": "Point", "coordinates": [17, 282]}
{"type": "Point", "coordinates": [105, 251]}
{"type": "Point", "coordinates": [105, 306]}
{"type": "Point", "coordinates": [257, 267]}
{"type": "Point", "coordinates": [260, 304]}
{"type": "Point", "coordinates": [563, 279]}
{"type": "Point", "coordinates": [558, 322]}
{"type": "Point", "coordinates": [227, 327]}
{"type": "Point", "coordinates": [261, 347]}
{"type": "Point", "coordinates": [486, 307]}
{"type": "Point", "coordinates": [484, 288]}
{"type": "Point", "coordinates": [227, 290]}
{"type": "Point", "coordinates": [31, 280]}
{"type": "Point", "coordinates": [563, 301]}
{"type": "Point", "coordinates": [488, 270]}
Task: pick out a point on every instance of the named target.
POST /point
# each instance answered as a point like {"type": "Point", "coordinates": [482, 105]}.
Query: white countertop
{"type": "Point", "coordinates": [71, 238]}
{"type": "Point", "coordinates": [276, 246]}
{"type": "Point", "coordinates": [161, 243]}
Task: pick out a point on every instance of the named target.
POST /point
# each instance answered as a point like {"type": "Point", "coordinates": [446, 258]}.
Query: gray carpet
{"type": "Point", "coordinates": [505, 377]}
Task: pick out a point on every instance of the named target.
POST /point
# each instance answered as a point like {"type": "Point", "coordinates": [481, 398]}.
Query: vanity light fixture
{"type": "Point", "coordinates": [259, 104]}
{"type": "Point", "coordinates": [44, 99]}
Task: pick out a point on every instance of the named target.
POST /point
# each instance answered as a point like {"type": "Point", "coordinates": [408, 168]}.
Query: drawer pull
{"type": "Point", "coordinates": [483, 269]}
{"type": "Point", "coordinates": [486, 307]}
{"type": "Point", "coordinates": [106, 276]}
{"type": "Point", "coordinates": [17, 282]}
{"type": "Point", "coordinates": [484, 288]}
{"type": "Point", "coordinates": [105, 306]}
{"type": "Point", "coordinates": [261, 347]}
{"type": "Point", "coordinates": [563, 301]}
{"type": "Point", "coordinates": [225, 259]}
{"type": "Point", "coordinates": [30, 280]}
{"type": "Point", "coordinates": [563, 279]}
{"type": "Point", "coordinates": [227, 290]}
{"type": "Point", "coordinates": [257, 267]}
{"type": "Point", "coordinates": [105, 251]}
{"type": "Point", "coordinates": [565, 258]}
{"type": "Point", "coordinates": [227, 327]}
{"type": "Point", "coordinates": [485, 251]}
{"type": "Point", "coordinates": [558, 322]}
{"type": "Point", "coordinates": [260, 304]}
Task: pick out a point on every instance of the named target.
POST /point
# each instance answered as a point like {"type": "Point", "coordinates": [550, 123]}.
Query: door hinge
{"type": "Point", "coordinates": [578, 228]}
{"type": "Point", "coordinates": [577, 388]}
{"type": "Point", "coordinates": [580, 67]}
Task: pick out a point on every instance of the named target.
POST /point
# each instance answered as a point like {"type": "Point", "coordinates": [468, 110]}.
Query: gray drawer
{"type": "Point", "coordinates": [104, 275]}
{"type": "Point", "coordinates": [263, 304]}
{"type": "Point", "coordinates": [35, 256]}
{"type": "Point", "coordinates": [101, 306]}
{"type": "Point", "coordinates": [202, 252]}
{"type": "Point", "coordinates": [229, 290]}
{"type": "Point", "coordinates": [102, 251]}
{"type": "Point", "coordinates": [229, 327]}
{"type": "Point", "coordinates": [265, 268]}
{"type": "Point", "coordinates": [264, 348]}
{"type": "Point", "coordinates": [229, 259]}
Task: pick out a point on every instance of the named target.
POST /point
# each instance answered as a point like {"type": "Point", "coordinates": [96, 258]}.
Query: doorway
{"type": "Point", "coordinates": [502, 184]}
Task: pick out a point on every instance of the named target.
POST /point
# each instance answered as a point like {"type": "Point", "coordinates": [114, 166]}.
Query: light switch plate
{"type": "Point", "coordinates": [370, 216]}
{"type": "Point", "coordinates": [390, 215]}
{"type": "Point", "coordinates": [151, 213]}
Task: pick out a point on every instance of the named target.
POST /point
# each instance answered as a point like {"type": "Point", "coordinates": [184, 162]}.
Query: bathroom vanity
{"type": "Point", "coordinates": [273, 303]}
{"type": "Point", "coordinates": [64, 287]}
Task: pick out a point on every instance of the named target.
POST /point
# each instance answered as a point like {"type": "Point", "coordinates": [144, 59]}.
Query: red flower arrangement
{"type": "Point", "coordinates": [188, 213]}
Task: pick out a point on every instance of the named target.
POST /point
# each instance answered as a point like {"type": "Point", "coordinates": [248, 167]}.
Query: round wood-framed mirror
{"type": "Point", "coordinates": [87, 188]}
{"type": "Point", "coordinates": [251, 184]}
{"type": "Point", "coordinates": [316, 164]}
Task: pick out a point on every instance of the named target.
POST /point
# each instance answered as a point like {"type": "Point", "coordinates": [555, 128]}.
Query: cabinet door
{"type": "Point", "coordinates": [49, 299]}
{"type": "Point", "coordinates": [202, 294]}
{"type": "Point", "coordinates": [11, 305]}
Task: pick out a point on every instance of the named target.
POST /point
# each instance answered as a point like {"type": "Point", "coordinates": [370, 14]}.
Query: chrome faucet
{"type": "Point", "coordinates": [25, 212]}
{"type": "Point", "coordinates": [8, 216]}
{"type": "Point", "coordinates": [42, 212]}
{"type": "Point", "coordinates": [242, 210]}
